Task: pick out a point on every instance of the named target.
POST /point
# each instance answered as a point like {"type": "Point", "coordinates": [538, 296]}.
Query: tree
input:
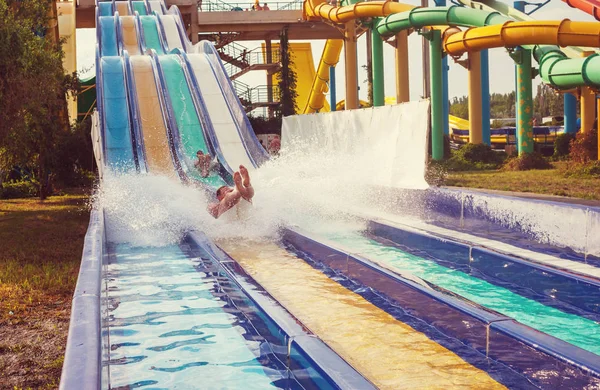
{"type": "Point", "coordinates": [33, 87]}
{"type": "Point", "coordinates": [287, 79]}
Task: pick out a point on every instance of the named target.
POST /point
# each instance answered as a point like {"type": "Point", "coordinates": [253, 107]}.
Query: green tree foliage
{"type": "Point", "coordinates": [32, 89]}
{"type": "Point", "coordinates": [287, 81]}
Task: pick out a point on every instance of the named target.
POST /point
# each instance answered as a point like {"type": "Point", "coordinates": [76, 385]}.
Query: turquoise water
{"type": "Point", "coordinates": [571, 328]}
{"type": "Point", "coordinates": [151, 37]}
{"type": "Point", "coordinates": [140, 7]}
{"type": "Point", "coordinates": [169, 328]}
{"type": "Point", "coordinates": [190, 129]}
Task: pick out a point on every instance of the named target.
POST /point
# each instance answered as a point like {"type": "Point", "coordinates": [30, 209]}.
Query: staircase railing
{"type": "Point", "coordinates": [247, 58]}
{"type": "Point", "coordinates": [220, 6]}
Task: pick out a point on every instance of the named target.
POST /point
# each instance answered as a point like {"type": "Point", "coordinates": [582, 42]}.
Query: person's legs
{"type": "Point", "coordinates": [247, 190]}
{"type": "Point", "coordinates": [205, 165]}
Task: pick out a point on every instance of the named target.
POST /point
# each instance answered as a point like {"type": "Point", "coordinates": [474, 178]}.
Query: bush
{"type": "Point", "coordinates": [584, 147]}
{"type": "Point", "coordinates": [475, 157]}
{"type": "Point", "coordinates": [562, 145]}
{"type": "Point", "coordinates": [526, 162]}
{"type": "Point", "coordinates": [436, 173]}
{"type": "Point", "coordinates": [591, 169]}
{"type": "Point", "coordinates": [19, 189]}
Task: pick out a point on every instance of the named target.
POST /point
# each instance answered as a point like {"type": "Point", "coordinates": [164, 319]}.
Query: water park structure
{"type": "Point", "coordinates": [436, 287]}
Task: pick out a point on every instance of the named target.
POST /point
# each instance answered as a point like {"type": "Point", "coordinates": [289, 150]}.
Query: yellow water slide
{"type": "Point", "coordinates": [320, 9]}
{"type": "Point", "coordinates": [154, 130]}
{"type": "Point", "coordinates": [330, 57]}
{"type": "Point", "coordinates": [130, 39]}
{"type": "Point", "coordinates": [66, 30]}
{"type": "Point", "coordinates": [513, 34]}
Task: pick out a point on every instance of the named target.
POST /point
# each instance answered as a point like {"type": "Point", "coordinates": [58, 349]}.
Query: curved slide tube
{"type": "Point", "coordinates": [329, 58]}
{"type": "Point", "coordinates": [591, 7]}
{"type": "Point", "coordinates": [367, 9]}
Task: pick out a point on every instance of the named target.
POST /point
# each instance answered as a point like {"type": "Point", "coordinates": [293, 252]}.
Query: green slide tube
{"type": "Point", "coordinates": [378, 69]}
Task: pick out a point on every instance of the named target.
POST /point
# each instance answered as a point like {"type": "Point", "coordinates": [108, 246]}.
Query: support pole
{"type": "Point", "coordinates": [269, 50]}
{"type": "Point", "coordinates": [446, 114]}
{"type": "Point", "coordinates": [486, 136]}
{"type": "Point", "coordinates": [332, 98]}
{"type": "Point", "coordinates": [351, 65]}
{"type": "Point", "coordinates": [525, 109]}
{"type": "Point", "coordinates": [402, 79]}
{"type": "Point", "coordinates": [377, 65]}
{"type": "Point", "coordinates": [437, 96]}
{"type": "Point", "coordinates": [519, 5]}
{"type": "Point", "coordinates": [425, 48]}
{"type": "Point", "coordinates": [475, 133]}
{"type": "Point", "coordinates": [570, 103]}
{"type": "Point", "coordinates": [588, 109]}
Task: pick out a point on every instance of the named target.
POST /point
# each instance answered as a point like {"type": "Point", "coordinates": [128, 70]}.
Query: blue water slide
{"type": "Point", "coordinates": [115, 122]}
{"type": "Point", "coordinates": [188, 135]}
{"type": "Point", "coordinates": [138, 146]}
{"type": "Point", "coordinates": [107, 36]}
{"type": "Point", "coordinates": [118, 34]}
{"type": "Point", "coordinates": [256, 152]}
{"type": "Point", "coordinates": [139, 6]}
{"type": "Point", "coordinates": [151, 37]}
{"type": "Point", "coordinates": [167, 107]}
{"type": "Point", "coordinates": [207, 127]}
{"type": "Point", "coordinates": [106, 8]}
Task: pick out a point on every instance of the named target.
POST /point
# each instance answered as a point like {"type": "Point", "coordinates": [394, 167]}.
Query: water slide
{"type": "Point", "coordinates": [316, 101]}
{"type": "Point", "coordinates": [591, 7]}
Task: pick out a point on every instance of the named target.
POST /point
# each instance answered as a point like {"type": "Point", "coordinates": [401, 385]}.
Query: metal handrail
{"type": "Point", "coordinates": [220, 6]}
{"type": "Point", "coordinates": [255, 56]}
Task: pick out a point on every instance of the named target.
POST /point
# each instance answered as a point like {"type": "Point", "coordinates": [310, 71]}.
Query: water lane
{"type": "Point", "coordinates": [571, 328]}
{"type": "Point", "coordinates": [171, 327]}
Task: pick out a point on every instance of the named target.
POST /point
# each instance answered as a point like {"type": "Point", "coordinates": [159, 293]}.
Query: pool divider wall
{"type": "Point", "coordinates": [573, 289]}
{"type": "Point", "coordinates": [526, 351]}
{"type": "Point", "coordinates": [530, 218]}
{"type": "Point", "coordinates": [82, 363]}
{"type": "Point", "coordinates": [301, 342]}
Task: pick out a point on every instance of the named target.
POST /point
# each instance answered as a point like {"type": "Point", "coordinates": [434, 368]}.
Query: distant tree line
{"type": "Point", "coordinates": [547, 102]}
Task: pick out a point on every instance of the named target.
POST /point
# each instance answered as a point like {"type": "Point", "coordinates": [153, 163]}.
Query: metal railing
{"type": "Point", "coordinates": [255, 56]}
{"type": "Point", "coordinates": [220, 6]}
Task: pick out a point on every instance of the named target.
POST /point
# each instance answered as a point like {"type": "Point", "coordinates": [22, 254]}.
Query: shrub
{"type": "Point", "coordinates": [562, 145]}
{"type": "Point", "coordinates": [436, 173]}
{"type": "Point", "coordinates": [19, 189]}
{"type": "Point", "coordinates": [526, 162]}
{"type": "Point", "coordinates": [475, 157]}
{"type": "Point", "coordinates": [584, 147]}
{"type": "Point", "coordinates": [591, 169]}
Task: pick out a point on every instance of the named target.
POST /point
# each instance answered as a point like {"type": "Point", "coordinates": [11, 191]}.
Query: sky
{"type": "Point", "coordinates": [501, 65]}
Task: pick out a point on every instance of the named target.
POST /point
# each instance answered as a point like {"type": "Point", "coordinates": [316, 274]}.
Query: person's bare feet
{"type": "Point", "coordinates": [245, 176]}
{"type": "Point", "coordinates": [247, 191]}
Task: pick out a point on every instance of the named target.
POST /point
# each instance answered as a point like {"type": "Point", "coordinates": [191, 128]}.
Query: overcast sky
{"type": "Point", "coordinates": [501, 65]}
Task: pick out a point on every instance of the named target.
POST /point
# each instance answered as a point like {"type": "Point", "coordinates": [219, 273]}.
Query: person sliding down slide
{"type": "Point", "coordinates": [229, 197]}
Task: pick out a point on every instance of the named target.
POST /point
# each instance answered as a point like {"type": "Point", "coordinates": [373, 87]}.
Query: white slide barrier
{"type": "Point", "coordinates": [392, 140]}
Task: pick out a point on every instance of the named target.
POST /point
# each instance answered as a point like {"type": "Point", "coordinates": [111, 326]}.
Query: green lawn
{"type": "Point", "coordinates": [41, 245]}
{"type": "Point", "coordinates": [551, 182]}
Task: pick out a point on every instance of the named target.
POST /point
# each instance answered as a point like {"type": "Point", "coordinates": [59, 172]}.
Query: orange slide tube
{"type": "Point", "coordinates": [591, 7]}
{"type": "Point", "coordinates": [512, 34]}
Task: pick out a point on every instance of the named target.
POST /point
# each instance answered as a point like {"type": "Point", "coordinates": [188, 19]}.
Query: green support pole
{"type": "Point", "coordinates": [378, 72]}
{"type": "Point", "coordinates": [437, 95]}
{"type": "Point", "coordinates": [525, 108]}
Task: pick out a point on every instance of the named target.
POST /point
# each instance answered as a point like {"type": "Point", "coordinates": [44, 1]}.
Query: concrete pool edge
{"type": "Point", "coordinates": [328, 362]}
{"type": "Point", "coordinates": [515, 338]}
{"type": "Point", "coordinates": [82, 366]}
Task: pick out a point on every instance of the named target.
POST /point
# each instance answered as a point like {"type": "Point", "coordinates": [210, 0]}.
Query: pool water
{"type": "Point", "coordinates": [571, 328]}
{"type": "Point", "coordinates": [170, 325]}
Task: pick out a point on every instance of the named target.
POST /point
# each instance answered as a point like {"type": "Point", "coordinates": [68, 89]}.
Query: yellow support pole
{"type": "Point", "coordinates": [588, 109]}
{"type": "Point", "coordinates": [475, 98]}
{"type": "Point", "coordinates": [351, 66]}
{"type": "Point", "coordinates": [402, 76]}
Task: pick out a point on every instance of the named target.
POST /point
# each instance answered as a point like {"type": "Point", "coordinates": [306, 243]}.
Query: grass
{"type": "Point", "coordinates": [39, 262]}
{"type": "Point", "coordinates": [550, 182]}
